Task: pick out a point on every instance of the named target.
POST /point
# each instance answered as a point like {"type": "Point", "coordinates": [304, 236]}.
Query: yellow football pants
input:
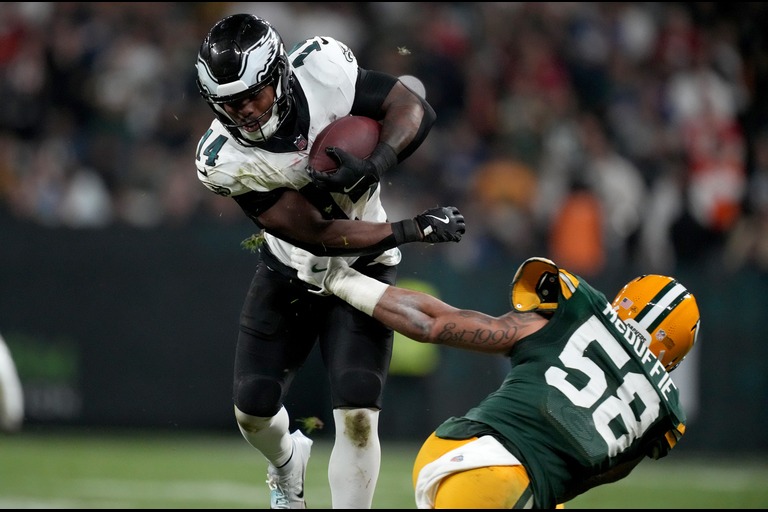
{"type": "Point", "coordinates": [500, 487]}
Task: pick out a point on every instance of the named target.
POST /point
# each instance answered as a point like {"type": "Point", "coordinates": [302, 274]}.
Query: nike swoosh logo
{"type": "Point", "coordinates": [444, 220]}
{"type": "Point", "coordinates": [347, 190]}
{"type": "Point", "coordinates": [316, 270]}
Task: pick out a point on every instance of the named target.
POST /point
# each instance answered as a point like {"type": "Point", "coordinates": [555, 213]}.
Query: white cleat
{"type": "Point", "coordinates": [287, 490]}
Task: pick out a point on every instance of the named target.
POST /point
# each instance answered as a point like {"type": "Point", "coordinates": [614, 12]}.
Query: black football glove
{"type": "Point", "coordinates": [438, 224]}
{"type": "Point", "coordinates": [441, 224]}
{"type": "Point", "coordinates": [355, 175]}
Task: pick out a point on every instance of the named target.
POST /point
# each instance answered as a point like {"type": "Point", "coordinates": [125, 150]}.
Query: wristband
{"type": "Point", "coordinates": [360, 291]}
{"type": "Point", "coordinates": [406, 231]}
{"type": "Point", "coordinates": [383, 157]}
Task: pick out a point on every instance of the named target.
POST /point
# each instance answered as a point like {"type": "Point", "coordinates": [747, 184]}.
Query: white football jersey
{"type": "Point", "coordinates": [327, 72]}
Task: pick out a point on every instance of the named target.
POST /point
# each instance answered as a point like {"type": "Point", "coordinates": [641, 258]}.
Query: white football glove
{"type": "Point", "coordinates": [310, 268]}
{"type": "Point", "coordinates": [316, 270]}
{"type": "Point", "coordinates": [333, 275]}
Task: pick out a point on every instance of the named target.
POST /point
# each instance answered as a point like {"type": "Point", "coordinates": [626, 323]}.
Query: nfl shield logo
{"type": "Point", "coordinates": [300, 143]}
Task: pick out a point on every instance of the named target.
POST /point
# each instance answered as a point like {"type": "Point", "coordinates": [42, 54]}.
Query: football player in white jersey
{"type": "Point", "coordinates": [269, 107]}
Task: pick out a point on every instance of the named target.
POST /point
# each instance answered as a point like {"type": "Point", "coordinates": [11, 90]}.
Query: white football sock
{"type": "Point", "coordinates": [268, 435]}
{"type": "Point", "coordinates": [353, 468]}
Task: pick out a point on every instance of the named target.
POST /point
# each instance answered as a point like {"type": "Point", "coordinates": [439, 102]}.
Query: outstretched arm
{"type": "Point", "coordinates": [417, 315]}
{"type": "Point", "coordinates": [424, 318]}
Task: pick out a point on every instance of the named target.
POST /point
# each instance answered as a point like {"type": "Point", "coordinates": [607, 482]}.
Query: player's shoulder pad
{"type": "Point", "coordinates": [538, 284]}
{"type": "Point", "coordinates": [324, 58]}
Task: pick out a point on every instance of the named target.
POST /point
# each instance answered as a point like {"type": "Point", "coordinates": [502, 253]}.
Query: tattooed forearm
{"type": "Point", "coordinates": [482, 331]}
{"type": "Point", "coordinates": [452, 335]}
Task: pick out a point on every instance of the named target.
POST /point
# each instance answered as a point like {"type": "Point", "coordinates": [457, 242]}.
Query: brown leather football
{"type": "Point", "coordinates": [356, 135]}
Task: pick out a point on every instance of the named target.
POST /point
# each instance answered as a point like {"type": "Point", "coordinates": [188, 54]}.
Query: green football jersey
{"type": "Point", "coordinates": [583, 394]}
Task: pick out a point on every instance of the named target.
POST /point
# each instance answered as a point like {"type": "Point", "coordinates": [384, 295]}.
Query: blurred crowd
{"type": "Point", "coordinates": [598, 134]}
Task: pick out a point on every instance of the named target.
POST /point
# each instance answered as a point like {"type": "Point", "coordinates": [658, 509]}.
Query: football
{"type": "Point", "coordinates": [356, 135]}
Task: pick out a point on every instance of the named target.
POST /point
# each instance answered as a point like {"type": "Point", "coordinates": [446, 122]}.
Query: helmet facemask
{"type": "Point", "coordinates": [266, 129]}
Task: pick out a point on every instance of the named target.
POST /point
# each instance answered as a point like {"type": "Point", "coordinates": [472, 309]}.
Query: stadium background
{"type": "Point", "coordinates": [122, 277]}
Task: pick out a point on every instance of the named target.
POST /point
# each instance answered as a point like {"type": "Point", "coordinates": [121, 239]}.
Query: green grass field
{"type": "Point", "coordinates": [121, 470]}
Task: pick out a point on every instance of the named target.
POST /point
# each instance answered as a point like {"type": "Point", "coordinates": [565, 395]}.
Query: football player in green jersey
{"type": "Point", "coordinates": [587, 397]}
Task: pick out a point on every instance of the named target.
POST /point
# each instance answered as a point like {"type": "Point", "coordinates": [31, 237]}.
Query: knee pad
{"type": "Point", "coordinates": [357, 388]}
{"type": "Point", "coordinates": [258, 396]}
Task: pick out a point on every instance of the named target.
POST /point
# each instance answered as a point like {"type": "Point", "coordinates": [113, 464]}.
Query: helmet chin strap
{"type": "Point", "coordinates": [265, 130]}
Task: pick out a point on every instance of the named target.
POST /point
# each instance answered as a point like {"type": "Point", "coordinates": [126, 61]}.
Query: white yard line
{"type": "Point", "coordinates": [116, 493]}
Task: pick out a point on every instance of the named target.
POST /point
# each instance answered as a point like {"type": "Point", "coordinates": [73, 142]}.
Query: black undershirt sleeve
{"type": "Point", "coordinates": [255, 203]}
